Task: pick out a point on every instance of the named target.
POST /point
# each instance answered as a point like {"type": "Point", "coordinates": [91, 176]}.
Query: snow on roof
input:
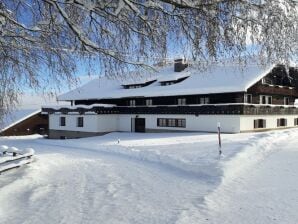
{"type": "Point", "coordinates": [17, 117]}
{"type": "Point", "coordinates": [139, 82]}
{"type": "Point", "coordinates": [173, 76]}
{"type": "Point", "coordinates": [80, 106]}
{"type": "Point", "coordinates": [217, 79]}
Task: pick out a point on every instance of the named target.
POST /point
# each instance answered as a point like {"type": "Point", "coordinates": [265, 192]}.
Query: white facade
{"type": "Point", "coordinates": [207, 123]}
{"type": "Point", "coordinates": [247, 121]}
{"type": "Point", "coordinates": [98, 123]}
{"type": "Point", "coordinates": [92, 122]}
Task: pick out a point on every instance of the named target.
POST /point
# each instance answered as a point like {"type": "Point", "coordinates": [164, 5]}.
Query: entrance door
{"type": "Point", "coordinates": [139, 124]}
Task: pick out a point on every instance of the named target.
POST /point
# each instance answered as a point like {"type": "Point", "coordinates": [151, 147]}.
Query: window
{"type": "Point", "coordinates": [171, 82]}
{"type": "Point", "coordinates": [149, 102]}
{"type": "Point", "coordinates": [171, 122]}
{"type": "Point", "coordinates": [204, 100]}
{"type": "Point", "coordinates": [62, 121]}
{"type": "Point", "coordinates": [161, 122]}
{"type": "Point", "coordinates": [80, 122]}
{"type": "Point", "coordinates": [181, 123]}
{"type": "Point", "coordinates": [181, 101]}
{"type": "Point", "coordinates": [267, 81]}
{"type": "Point", "coordinates": [247, 98]}
{"type": "Point", "coordinates": [265, 99]}
{"type": "Point", "coordinates": [269, 99]}
{"type": "Point", "coordinates": [296, 121]}
{"type": "Point", "coordinates": [132, 103]}
{"type": "Point", "coordinates": [262, 99]}
{"type": "Point", "coordinates": [281, 122]}
{"type": "Point", "coordinates": [286, 100]}
{"type": "Point", "coordinates": [259, 123]}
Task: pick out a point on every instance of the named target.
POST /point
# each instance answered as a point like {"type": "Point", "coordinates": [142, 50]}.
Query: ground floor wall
{"type": "Point", "coordinates": [207, 123]}
{"type": "Point", "coordinates": [91, 122]}
{"type": "Point", "coordinates": [271, 122]}
{"type": "Point", "coordinates": [98, 124]}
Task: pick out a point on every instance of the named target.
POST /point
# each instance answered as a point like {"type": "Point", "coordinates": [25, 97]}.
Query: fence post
{"type": "Point", "coordinates": [219, 138]}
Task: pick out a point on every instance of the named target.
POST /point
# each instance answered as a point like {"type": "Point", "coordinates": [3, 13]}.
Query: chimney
{"type": "Point", "coordinates": [179, 65]}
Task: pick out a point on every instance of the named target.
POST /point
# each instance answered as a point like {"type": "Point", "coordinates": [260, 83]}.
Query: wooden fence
{"type": "Point", "coordinates": [11, 157]}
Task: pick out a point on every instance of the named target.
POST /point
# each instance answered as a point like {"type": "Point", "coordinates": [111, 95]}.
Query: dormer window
{"type": "Point", "coordinates": [267, 81]}
{"type": "Point", "coordinates": [181, 101]}
{"type": "Point", "coordinates": [134, 86]}
{"type": "Point", "coordinates": [138, 85]}
{"type": "Point", "coordinates": [171, 82]}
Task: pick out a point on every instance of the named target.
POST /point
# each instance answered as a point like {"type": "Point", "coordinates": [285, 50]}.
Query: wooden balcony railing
{"type": "Point", "coordinates": [229, 109]}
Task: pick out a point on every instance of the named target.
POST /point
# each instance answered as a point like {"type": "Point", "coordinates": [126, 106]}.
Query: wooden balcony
{"type": "Point", "coordinates": [228, 109]}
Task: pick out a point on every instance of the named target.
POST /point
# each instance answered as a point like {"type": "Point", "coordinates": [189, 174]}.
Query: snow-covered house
{"type": "Point", "coordinates": [181, 98]}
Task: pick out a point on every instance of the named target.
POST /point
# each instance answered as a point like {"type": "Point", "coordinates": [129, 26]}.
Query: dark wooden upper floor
{"type": "Point", "coordinates": [279, 87]}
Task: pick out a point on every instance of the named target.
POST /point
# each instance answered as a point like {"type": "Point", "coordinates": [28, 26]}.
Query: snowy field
{"type": "Point", "coordinates": [154, 178]}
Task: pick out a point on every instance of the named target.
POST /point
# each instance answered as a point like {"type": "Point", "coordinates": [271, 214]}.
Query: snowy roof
{"type": "Point", "coordinates": [217, 79]}
{"type": "Point", "coordinates": [173, 76]}
{"type": "Point", "coordinates": [81, 106]}
{"type": "Point", "coordinates": [18, 116]}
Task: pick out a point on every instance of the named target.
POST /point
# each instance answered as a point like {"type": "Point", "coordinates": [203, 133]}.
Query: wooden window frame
{"type": "Point", "coordinates": [204, 100]}
{"type": "Point", "coordinates": [246, 97]}
{"type": "Point", "coordinates": [286, 100]}
{"type": "Point", "coordinates": [62, 121]}
{"type": "Point", "coordinates": [80, 122]}
{"type": "Point", "coordinates": [267, 81]}
{"type": "Point", "coordinates": [259, 123]}
{"type": "Point", "coordinates": [181, 101]}
{"type": "Point", "coordinates": [132, 103]}
{"type": "Point", "coordinates": [282, 122]}
{"type": "Point", "coordinates": [149, 102]}
{"type": "Point", "coordinates": [268, 99]}
{"type": "Point", "coordinates": [295, 121]}
{"type": "Point", "coordinates": [171, 122]}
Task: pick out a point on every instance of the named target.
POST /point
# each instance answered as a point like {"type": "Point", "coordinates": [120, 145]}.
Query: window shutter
{"type": "Point", "coordinates": [264, 126]}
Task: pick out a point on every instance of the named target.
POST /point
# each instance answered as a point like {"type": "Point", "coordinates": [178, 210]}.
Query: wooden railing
{"type": "Point", "coordinates": [11, 158]}
{"type": "Point", "coordinates": [228, 109]}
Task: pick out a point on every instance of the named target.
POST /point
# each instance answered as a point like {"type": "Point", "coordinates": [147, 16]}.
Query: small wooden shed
{"type": "Point", "coordinates": [34, 123]}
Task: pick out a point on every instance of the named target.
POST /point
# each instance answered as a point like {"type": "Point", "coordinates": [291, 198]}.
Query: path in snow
{"type": "Point", "coordinates": [265, 193]}
{"type": "Point", "coordinates": [92, 187]}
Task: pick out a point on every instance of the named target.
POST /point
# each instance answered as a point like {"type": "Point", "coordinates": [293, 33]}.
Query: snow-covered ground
{"type": "Point", "coordinates": [155, 178]}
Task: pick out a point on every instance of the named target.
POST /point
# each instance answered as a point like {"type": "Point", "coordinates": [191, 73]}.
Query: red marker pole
{"type": "Point", "coordinates": [219, 138]}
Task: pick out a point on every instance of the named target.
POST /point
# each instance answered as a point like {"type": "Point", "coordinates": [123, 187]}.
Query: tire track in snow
{"type": "Point", "coordinates": [147, 158]}
{"type": "Point", "coordinates": [132, 194]}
